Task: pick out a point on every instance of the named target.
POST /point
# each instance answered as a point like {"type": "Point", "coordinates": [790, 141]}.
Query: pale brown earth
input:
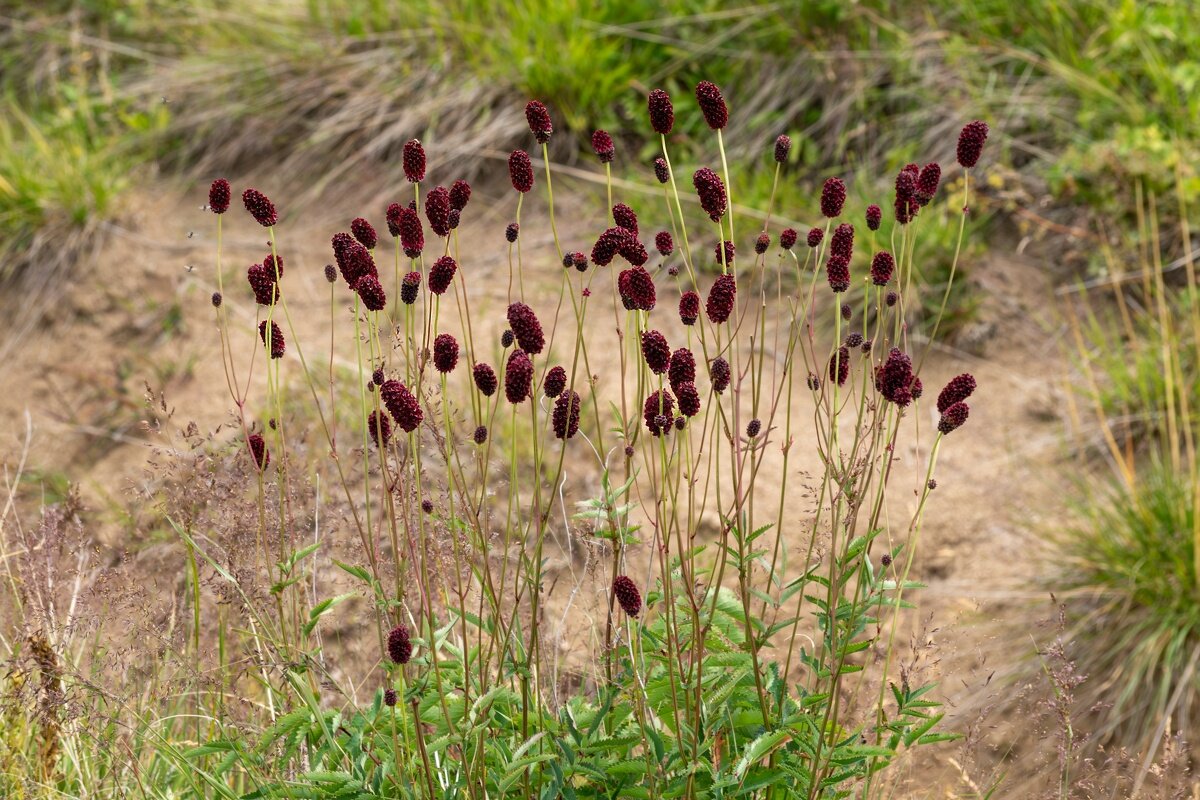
{"type": "Point", "coordinates": [139, 314]}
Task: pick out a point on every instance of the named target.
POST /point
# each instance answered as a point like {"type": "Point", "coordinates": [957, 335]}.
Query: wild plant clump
{"type": "Point", "coordinates": [742, 411]}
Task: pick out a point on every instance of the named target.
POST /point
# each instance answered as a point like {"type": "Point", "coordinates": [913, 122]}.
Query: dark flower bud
{"type": "Point", "coordinates": [413, 159]}
{"type": "Point", "coordinates": [278, 346]}
{"type": "Point", "coordinates": [216, 299]}
{"type": "Point", "coordinates": [711, 191]}
{"type": "Point", "coordinates": [525, 326]}
{"type": "Point", "coordinates": [953, 418]}
{"type": "Point", "coordinates": [866, 346]}
{"type": "Point", "coordinates": [891, 299]}
{"type": "Point", "coordinates": [218, 196]}
{"type": "Point", "coordinates": [603, 145]}
{"type": "Point", "coordinates": [886, 560]}
{"type": "Point", "coordinates": [854, 339]}
{"type": "Point", "coordinates": [833, 197]}
{"type": "Point", "coordinates": [364, 232]}
{"type": "Point", "coordinates": [721, 299]}
{"type": "Point", "coordinates": [379, 427]}
{"type": "Point", "coordinates": [783, 145]}
{"type": "Point", "coordinates": [377, 377]}
{"type": "Point", "coordinates": [658, 411]}
{"type": "Point", "coordinates": [460, 195]}
{"type": "Point", "coordinates": [389, 697]}
{"type": "Point", "coordinates": [629, 451]}
{"type": "Point", "coordinates": [723, 252]}
{"type": "Point", "coordinates": [518, 377]}
{"type": "Point", "coordinates": [753, 428]}
{"type": "Point", "coordinates": [409, 288]}
{"type": "Point", "coordinates": [258, 451]}
{"type": "Point", "coordinates": [664, 243]}
{"type": "Point", "coordinates": [682, 368]}
{"type": "Point", "coordinates": [719, 373]}
{"type": "Point", "coordinates": [262, 209]}
{"type": "Point", "coordinates": [689, 307]}
{"type": "Point", "coordinates": [441, 274]}
{"type": "Point", "coordinates": [839, 365]}
{"type": "Point", "coordinates": [412, 235]}
{"type": "Point", "coordinates": [689, 399]}
{"type": "Point", "coordinates": [330, 273]}
{"type": "Point", "coordinates": [520, 171]}
{"type": "Point", "coordinates": [927, 183]}
{"type": "Point", "coordinates": [931, 483]}
{"type": "Point", "coordinates": [636, 288]}
{"type": "Point", "coordinates": [507, 339]}
{"type": "Point", "coordinates": [680, 423]}
{"type": "Point", "coordinates": [815, 235]}
{"type": "Point", "coordinates": [454, 218]}
{"type": "Point", "coordinates": [539, 121]}
{"type": "Point", "coordinates": [580, 261]}
{"type": "Point", "coordinates": [673, 271]}
{"type": "Point", "coordinates": [712, 105]}
{"type": "Point", "coordinates": [874, 217]}
{"type": "Point", "coordinates": [882, 266]}
{"type": "Point", "coordinates": [762, 243]}
{"type": "Point", "coordinates": [627, 594]}
{"type": "Point", "coordinates": [398, 644]}
{"type": "Point", "coordinates": [370, 291]}
{"type": "Point", "coordinates": [656, 351]}
{"type": "Point", "coordinates": [847, 312]}
{"type": "Point", "coordinates": [392, 215]}
{"type": "Point", "coordinates": [957, 390]}
{"type": "Point", "coordinates": [554, 382]}
{"type": "Point", "coordinates": [481, 434]}
{"type": "Point", "coordinates": [445, 353]}
{"type": "Point", "coordinates": [427, 506]}
{"type": "Point", "coordinates": [565, 417]}
{"type": "Point", "coordinates": [437, 210]}
{"type": "Point", "coordinates": [512, 231]}
{"type": "Point", "coordinates": [894, 378]}
{"type": "Point", "coordinates": [970, 143]}
{"type": "Point", "coordinates": [787, 238]}
{"type": "Point", "coordinates": [841, 244]}
{"type": "Point", "coordinates": [625, 218]}
{"type": "Point", "coordinates": [485, 379]}
{"type": "Point", "coordinates": [402, 405]}
{"type": "Point", "coordinates": [662, 113]}
{"type": "Point", "coordinates": [660, 170]}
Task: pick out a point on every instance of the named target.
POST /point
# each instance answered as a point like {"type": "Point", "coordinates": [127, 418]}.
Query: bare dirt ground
{"type": "Point", "coordinates": [139, 314]}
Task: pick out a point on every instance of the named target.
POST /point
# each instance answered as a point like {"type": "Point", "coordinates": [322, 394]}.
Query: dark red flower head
{"type": "Point", "coordinates": [393, 219]}
{"type": "Point", "coordinates": [481, 433]}
{"type": "Point", "coordinates": [891, 299]}
{"type": "Point", "coordinates": [607, 245]}
{"type": "Point", "coordinates": [441, 274]}
{"type": "Point", "coordinates": [833, 197]}
{"type": "Point", "coordinates": [838, 272]}
{"type": "Point", "coordinates": [724, 259]}
{"type": "Point", "coordinates": [437, 210]}
{"type": "Point", "coordinates": [565, 416]}
{"type": "Point", "coordinates": [636, 288]}
{"type": "Point", "coordinates": [520, 171]}
{"type": "Point", "coordinates": [957, 390]}
{"type": "Point", "coordinates": [518, 377]}
{"type": "Point", "coordinates": [390, 697]}
{"type": "Point", "coordinates": [721, 299]}
{"type": "Point", "coordinates": [627, 594]}
{"type": "Point", "coordinates": [399, 646]}
{"type": "Point", "coordinates": [379, 427]}
{"type": "Point", "coordinates": [927, 182]}
{"type": "Point", "coordinates": [409, 288]}
{"type": "Point", "coordinates": [266, 290]}
{"type": "Point", "coordinates": [874, 217]}
{"type": "Point", "coordinates": [882, 266]}
{"type": "Point", "coordinates": [512, 231]}
{"type": "Point", "coordinates": [762, 243]}
{"type": "Point", "coordinates": [278, 346]}
{"type": "Point", "coordinates": [258, 450]}
{"type": "Point", "coordinates": [682, 368]}
{"type": "Point", "coordinates": [953, 418]}
{"type": "Point", "coordinates": [753, 428]}
{"type": "Point", "coordinates": [539, 121]}
{"type": "Point", "coordinates": [839, 365]}
{"type": "Point", "coordinates": [841, 244]}
{"type": "Point", "coordinates": [409, 229]}
{"type": "Point", "coordinates": [632, 250]}
{"type": "Point", "coordinates": [330, 273]}
{"type": "Point", "coordinates": [460, 195]}
{"type": "Point", "coordinates": [712, 105]}
{"type": "Point", "coordinates": [216, 299]}
{"type": "Point", "coordinates": [377, 377]}
{"type": "Point", "coordinates": [364, 232]}
{"type": "Point", "coordinates": [711, 191]}
{"type": "Point", "coordinates": [554, 382]}
{"type": "Point", "coordinates": [662, 113]}
{"type": "Point", "coordinates": [689, 307]}
{"type": "Point", "coordinates": [656, 351]}
{"type": "Point", "coordinates": [660, 170]}
{"type": "Point", "coordinates": [485, 379]}
{"type": "Point", "coordinates": [261, 208]}
{"type": "Point", "coordinates": [787, 238]}
{"type": "Point", "coordinates": [353, 260]}
{"type": "Point", "coordinates": [815, 235]}
{"type": "Point", "coordinates": [970, 143]}
{"type": "Point", "coordinates": [894, 378]}
{"type": "Point", "coordinates": [218, 196]}
{"type": "Point", "coordinates": [783, 145]}
{"type": "Point", "coordinates": [507, 339]}
{"type": "Point", "coordinates": [525, 326]}
{"type": "Point", "coordinates": [371, 292]}
{"type": "Point", "coordinates": [414, 161]}
{"type": "Point", "coordinates": [625, 218]}
{"type": "Point", "coordinates": [906, 182]}
{"type": "Point", "coordinates": [854, 339]}
{"type": "Point", "coordinates": [402, 405]}
{"type": "Point", "coordinates": [664, 243]}
{"type": "Point", "coordinates": [719, 374]}
{"type": "Point", "coordinates": [689, 398]}
{"type": "Point", "coordinates": [445, 353]}
{"type": "Point", "coordinates": [602, 143]}
{"type": "Point", "coordinates": [658, 412]}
